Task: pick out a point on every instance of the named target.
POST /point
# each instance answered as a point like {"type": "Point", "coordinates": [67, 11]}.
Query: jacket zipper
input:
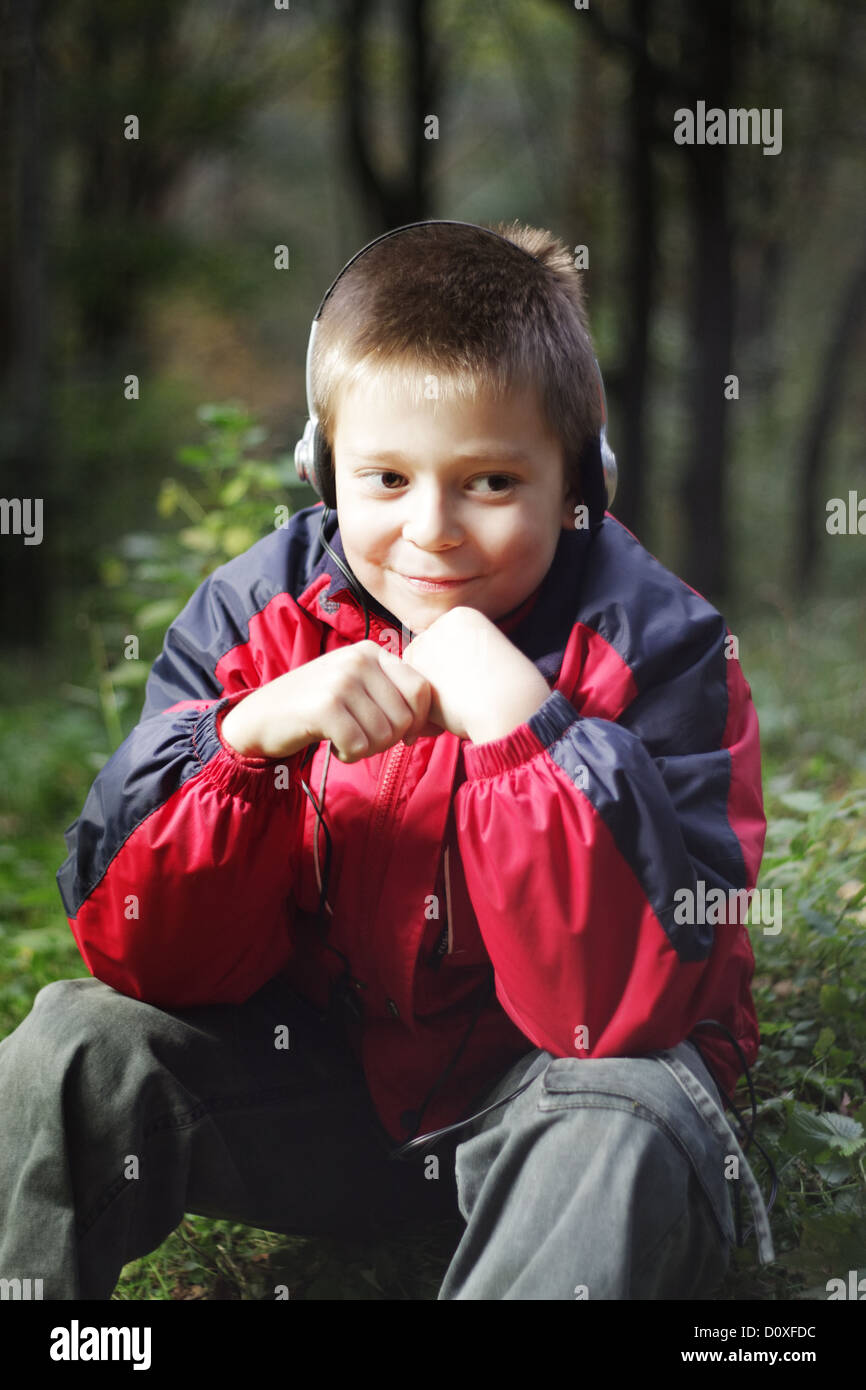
{"type": "Point", "coordinates": [387, 796]}
{"type": "Point", "coordinates": [390, 783]}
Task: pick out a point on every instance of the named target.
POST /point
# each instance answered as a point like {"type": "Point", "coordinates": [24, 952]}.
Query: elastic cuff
{"type": "Point", "coordinates": [220, 712]}
{"type": "Point", "coordinates": [230, 770]}
{"type": "Point", "coordinates": [539, 731]}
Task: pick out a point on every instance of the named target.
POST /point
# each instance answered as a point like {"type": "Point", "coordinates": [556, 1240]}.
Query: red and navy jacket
{"type": "Point", "coordinates": [544, 863]}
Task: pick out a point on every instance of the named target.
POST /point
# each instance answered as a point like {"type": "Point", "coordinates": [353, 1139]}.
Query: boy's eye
{"type": "Point", "coordinates": [389, 474]}
{"type": "Point", "coordinates": [502, 481]}
{"type": "Point", "coordinates": [500, 478]}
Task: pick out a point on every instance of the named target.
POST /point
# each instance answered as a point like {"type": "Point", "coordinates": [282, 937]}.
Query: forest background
{"type": "Point", "coordinates": [158, 276]}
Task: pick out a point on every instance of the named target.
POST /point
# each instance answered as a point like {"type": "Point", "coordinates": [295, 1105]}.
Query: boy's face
{"type": "Point", "coordinates": [466, 490]}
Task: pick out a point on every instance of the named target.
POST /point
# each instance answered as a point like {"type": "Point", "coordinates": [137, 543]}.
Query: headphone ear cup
{"type": "Point", "coordinates": [593, 480]}
{"type": "Point", "coordinates": [323, 464]}
{"type": "Point", "coordinates": [608, 463]}
{"type": "Point", "coordinates": [303, 453]}
{"type": "Point", "coordinates": [313, 463]}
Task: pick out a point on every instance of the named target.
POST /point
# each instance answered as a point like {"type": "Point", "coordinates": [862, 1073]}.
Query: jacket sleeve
{"type": "Point", "coordinates": [178, 883]}
{"type": "Point", "coordinates": [577, 834]}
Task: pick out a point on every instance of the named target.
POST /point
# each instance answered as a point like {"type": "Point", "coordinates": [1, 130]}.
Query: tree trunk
{"type": "Point", "coordinates": [703, 488]}
{"type": "Point", "coordinates": [811, 510]}
{"type": "Point", "coordinates": [25, 442]}
{"type": "Point", "coordinates": [630, 427]}
{"type": "Point", "coordinates": [389, 202]}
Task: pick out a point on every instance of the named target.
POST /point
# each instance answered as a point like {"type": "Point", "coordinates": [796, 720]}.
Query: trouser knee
{"type": "Point", "coordinates": [86, 1049]}
{"type": "Point", "coordinates": [583, 1194]}
{"type": "Point", "coordinates": [82, 1023]}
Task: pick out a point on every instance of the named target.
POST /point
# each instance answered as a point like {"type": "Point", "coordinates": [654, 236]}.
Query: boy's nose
{"type": "Point", "coordinates": [432, 519]}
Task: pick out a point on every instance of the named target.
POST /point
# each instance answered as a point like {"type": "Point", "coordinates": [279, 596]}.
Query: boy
{"type": "Point", "coordinates": [516, 796]}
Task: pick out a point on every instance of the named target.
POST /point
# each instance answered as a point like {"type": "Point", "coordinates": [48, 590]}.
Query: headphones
{"type": "Point", "coordinates": [313, 462]}
{"type": "Point", "coordinates": [314, 466]}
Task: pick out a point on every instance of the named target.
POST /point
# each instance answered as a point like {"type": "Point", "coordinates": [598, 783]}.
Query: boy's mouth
{"type": "Point", "coordinates": [435, 585]}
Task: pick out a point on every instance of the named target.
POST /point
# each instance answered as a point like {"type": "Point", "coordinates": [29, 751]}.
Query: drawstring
{"type": "Point", "coordinates": [448, 904]}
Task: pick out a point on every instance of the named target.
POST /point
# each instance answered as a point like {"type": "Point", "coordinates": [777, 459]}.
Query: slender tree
{"type": "Point", "coordinates": [705, 563]}
{"type": "Point", "coordinates": [26, 171]}
{"type": "Point", "coordinates": [389, 200]}
{"type": "Point", "coordinates": [832, 377]}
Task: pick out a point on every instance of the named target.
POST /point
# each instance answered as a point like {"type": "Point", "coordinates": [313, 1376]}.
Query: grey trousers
{"type": "Point", "coordinates": [602, 1180]}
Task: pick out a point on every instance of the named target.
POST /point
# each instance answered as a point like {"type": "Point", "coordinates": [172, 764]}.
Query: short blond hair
{"type": "Point", "coordinates": [472, 310]}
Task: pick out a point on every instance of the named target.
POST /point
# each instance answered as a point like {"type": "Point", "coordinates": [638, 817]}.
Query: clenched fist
{"type": "Point", "coordinates": [362, 697]}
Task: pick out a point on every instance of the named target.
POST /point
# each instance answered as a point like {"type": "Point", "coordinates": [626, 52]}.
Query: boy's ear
{"type": "Point", "coordinates": [572, 494]}
{"type": "Point", "coordinates": [572, 500]}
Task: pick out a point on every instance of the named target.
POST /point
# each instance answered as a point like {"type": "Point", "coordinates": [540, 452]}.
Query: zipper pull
{"type": "Point", "coordinates": [435, 958]}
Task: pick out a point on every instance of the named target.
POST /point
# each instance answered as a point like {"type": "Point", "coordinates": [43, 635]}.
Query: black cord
{"type": "Point", "coordinates": [426, 1141]}
{"type": "Point", "coordinates": [356, 589]}
{"type": "Point", "coordinates": [410, 1147]}
{"type": "Point", "coordinates": [342, 990]}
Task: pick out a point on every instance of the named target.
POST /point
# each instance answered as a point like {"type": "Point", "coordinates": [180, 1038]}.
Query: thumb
{"type": "Point", "coordinates": [423, 701]}
{"type": "Point", "coordinates": [430, 730]}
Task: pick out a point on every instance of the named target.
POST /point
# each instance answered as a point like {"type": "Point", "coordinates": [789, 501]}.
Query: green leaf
{"type": "Point", "coordinates": [237, 539]}
{"type": "Point", "coordinates": [824, 1042]}
{"type": "Point", "coordinates": [156, 615]}
{"type": "Point", "coordinates": [128, 673]}
{"type": "Point", "coordinates": [40, 938]}
{"type": "Point", "coordinates": [834, 1171]}
{"type": "Point", "coordinates": [822, 1135]}
{"type": "Point", "coordinates": [846, 1127]}
{"type": "Point", "coordinates": [818, 921]}
{"type": "Point", "coordinates": [806, 1129]}
{"type": "Point", "coordinates": [833, 999]}
{"type": "Point", "coordinates": [113, 571]}
{"type": "Point", "coordinates": [254, 436]}
{"type": "Point", "coordinates": [199, 539]}
{"type": "Point", "coordinates": [264, 475]}
{"type": "Point", "coordinates": [225, 415]}
{"type": "Point", "coordinates": [782, 829]}
{"type": "Point", "coordinates": [805, 802]}
{"type": "Point", "coordinates": [167, 498]}
{"type": "Point", "coordinates": [234, 490]}
{"type": "Point", "coordinates": [194, 456]}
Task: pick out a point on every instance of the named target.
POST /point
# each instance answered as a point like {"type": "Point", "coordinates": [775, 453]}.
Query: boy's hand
{"type": "Point", "coordinates": [483, 687]}
{"type": "Point", "coordinates": [362, 697]}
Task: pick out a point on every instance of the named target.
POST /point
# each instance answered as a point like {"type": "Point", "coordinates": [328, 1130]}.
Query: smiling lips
{"type": "Point", "coordinates": [434, 584]}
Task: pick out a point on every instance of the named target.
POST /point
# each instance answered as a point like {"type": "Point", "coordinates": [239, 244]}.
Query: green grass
{"type": "Point", "coordinates": [207, 1259]}
{"type": "Point", "coordinates": [810, 980]}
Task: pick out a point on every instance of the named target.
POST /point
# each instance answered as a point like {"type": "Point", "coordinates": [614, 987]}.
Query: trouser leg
{"type": "Point", "coordinates": [117, 1117]}
{"type": "Point", "coordinates": [600, 1181]}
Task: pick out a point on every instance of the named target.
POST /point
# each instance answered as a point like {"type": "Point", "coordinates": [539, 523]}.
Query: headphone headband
{"type": "Point", "coordinates": [407, 227]}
